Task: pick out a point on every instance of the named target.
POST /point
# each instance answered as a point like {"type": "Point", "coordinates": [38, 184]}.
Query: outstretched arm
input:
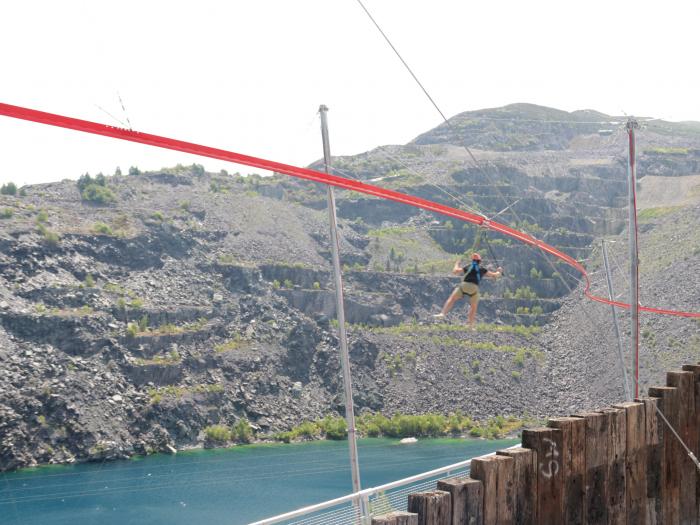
{"type": "Point", "coordinates": [494, 275]}
{"type": "Point", "coordinates": [457, 270]}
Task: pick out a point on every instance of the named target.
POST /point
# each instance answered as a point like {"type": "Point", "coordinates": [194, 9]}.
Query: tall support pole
{"type": "Point", "coordinates": [340, 310]}
{"type": "Point", "coordinates": [634, 254]}
{"type": "Point", "coordinates": [611, 294]}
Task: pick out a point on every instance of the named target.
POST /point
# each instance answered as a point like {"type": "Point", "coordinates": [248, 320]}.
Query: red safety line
{"type": "Point", "coordinates": [304, 173]}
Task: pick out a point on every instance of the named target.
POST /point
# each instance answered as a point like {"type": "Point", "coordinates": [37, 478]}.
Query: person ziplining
{"type": "Point", "coordinates": [473, 273]}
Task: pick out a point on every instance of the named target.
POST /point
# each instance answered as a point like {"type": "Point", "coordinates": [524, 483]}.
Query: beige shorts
{"type": "Point", "coordinates": [471, 290]}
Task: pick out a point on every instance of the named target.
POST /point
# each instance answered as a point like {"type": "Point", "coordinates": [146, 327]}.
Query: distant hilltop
{"type": "Point", "coordinates": [527, 127]}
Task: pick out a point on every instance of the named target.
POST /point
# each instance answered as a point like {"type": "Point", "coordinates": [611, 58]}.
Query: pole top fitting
{"type": "Point", "coordinates": [322, 108]}
{"type": "Point", "coordinates": [632, 123]}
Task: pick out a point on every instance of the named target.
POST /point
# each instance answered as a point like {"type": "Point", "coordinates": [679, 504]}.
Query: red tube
{"type": "Point", "coordinates": [304, 173]}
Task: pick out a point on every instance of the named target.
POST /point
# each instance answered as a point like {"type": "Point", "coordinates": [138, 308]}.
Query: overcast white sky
{"type": "Point", "coordinates": [249, 76]}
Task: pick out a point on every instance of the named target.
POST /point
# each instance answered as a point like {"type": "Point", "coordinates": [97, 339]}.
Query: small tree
{"type": "Point", "coordinates": [133, 170]}
{"type": "Point", "coordinates": [9, 189]}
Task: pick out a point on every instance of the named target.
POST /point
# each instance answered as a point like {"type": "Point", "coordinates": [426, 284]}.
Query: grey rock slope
{"type": "Point", "coordinates": [196, 299]}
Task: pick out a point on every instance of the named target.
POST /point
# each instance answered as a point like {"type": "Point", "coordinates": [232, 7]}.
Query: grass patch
{"type": "Point", "coordinates": [235, 343]}
{"type": "Point", "coordinates": [655, 213]}
{"type": "Point", "coordinates": [666, 151]}
{"type": "Point", "coordinates": [157, 395]}
{"type": "Point", "coordinates": [414, 328]}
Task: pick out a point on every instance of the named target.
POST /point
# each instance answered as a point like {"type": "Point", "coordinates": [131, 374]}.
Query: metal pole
{"type": "Point", "coordinates": [342, 334]}
{"type": "Point", "coordinates": [611, 294]}
{"type": "Point", "coordinates": [634, 259]}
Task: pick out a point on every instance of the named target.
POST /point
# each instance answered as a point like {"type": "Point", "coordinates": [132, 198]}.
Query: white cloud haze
{"type": "Point", "coordinates": [249, 76]}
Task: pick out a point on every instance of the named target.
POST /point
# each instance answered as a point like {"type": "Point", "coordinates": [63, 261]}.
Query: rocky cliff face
{"type": "Point", "coordinates": [192, 299]}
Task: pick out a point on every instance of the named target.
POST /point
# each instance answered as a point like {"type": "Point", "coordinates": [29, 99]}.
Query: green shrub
{"type": "Point", "coordinates": [89, 281]}
{"type": "Point", "coordinates": [276, 284]}
{"type": "Point", "coordinates": [132, 330]}
{"type": "Point", "coordinates": [334, 427]}
{"type": "Point", "coordinates": [98, 194]}
{"type": "Point", "coordinates": [242, 432]}
{"type": "Point", "coordinates": [136, 303]}
{"type": "Point", "coordinates": [525, 292]}
{"type": "Point", "coordinates": [535, 274]}
{"type": "Point", "coordinates": [288, 284]}
{"type": "Point", "coordinates": [217, 433]}
{"type": "Point", "coordinates": [307, 429]}
{"type": "Point", "coordinates": [6, 213]}
{"type": "Point", "coordinates": [42, 216]}
{"type": "Point", "coordinates": [516, 375]}
{"type": "Point", "coordinates": [101, 227]}
{"type": "Point", "coordinates": [317, 285]}
{"type": "Point", "coordinates": [143, 323]}
{"type": "Point", "coordinates": [537, 310]}
{"type": "Point", "coordinates": [9, 189]}
{"type": "Point", "coordinates": [50, 237]}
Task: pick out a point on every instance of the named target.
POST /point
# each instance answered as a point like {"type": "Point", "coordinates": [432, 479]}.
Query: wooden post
{"type": "Point", "coordinates": [547, 444]}
{"type": "Point", "coordinates": [635, 474]}
{"type": "Point", "coordinates": [467, 496]}
{"type": "Point", "coordinates": [396, 518]}
{"type": "Point", "coordinates": [670, 479]}
{"type": "Point", "coordinates": [496, 473]}
{"type": "Point", "coordinates": [524, 484]}
{"type": "Point", "coordinates": [597, 424]}
{"type": "Point", "coordinates": [685, 383]}
{"type": "Point", "coordinates": [573, 462]}
{"type": "Point", "coordinates": [433, 507]}
{"type": "Point", "coordinates": [695, 445]}
{"type": "Point", "coordinates": [617, 446]}
{"type": "Point", "coordinates": [654, 446]}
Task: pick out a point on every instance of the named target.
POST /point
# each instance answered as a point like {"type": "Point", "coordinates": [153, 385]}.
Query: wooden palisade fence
{"type": "Point", "coordinates": [620, 465]}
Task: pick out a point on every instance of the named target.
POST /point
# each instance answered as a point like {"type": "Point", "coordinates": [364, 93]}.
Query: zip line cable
{"type": "Point", "coordinates": [690, 453]}
{"type": "Point", "coordinates": [124, 110]}
{"type": "Point", "coordinates": [595, 324]}
{"type": "Point", "coordinates": [110, 115]}
{"type": "Point", "coordinates": [95, 128]}
{"type": "Point", "coordinates": [154, 140]}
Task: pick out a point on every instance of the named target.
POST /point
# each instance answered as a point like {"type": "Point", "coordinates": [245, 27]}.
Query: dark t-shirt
{"type": "Point", "coordinates": [470, 277]}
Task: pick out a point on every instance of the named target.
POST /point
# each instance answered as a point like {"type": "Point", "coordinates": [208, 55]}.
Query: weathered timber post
{"type": "Point", "coordinates": [670, 464]}
{"type": "Point", "coordinates": [695, 442]}
{"type": "Point", "coordinates": [547, 444]}
{"type": "Point", "coordinates": [617, 446]}
{"type": "Point", "coordinates": [597, 424]}
{"type": "Point", "coordinates": [685, 383]}
{"type": "Point", "coordinates": [496, 473]}
{"type": "Point", "coordinates": [467, 500]}
{"type": "Point", "coordinates": [636, 462]}
{"type": "Point", "coordinates": [654, 445]}
{"type": "Point", "coordinates": [433, 507]}
{"type": "Point", "coordinates": [396, 518]}
{"type": "Point", "coordinates": [573, 463]}
{"type": "Point", "coordinates": [524, 484]}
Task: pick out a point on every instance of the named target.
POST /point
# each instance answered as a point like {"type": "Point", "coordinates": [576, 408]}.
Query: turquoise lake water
{"type": "Point", "coordinates": [232, 486]}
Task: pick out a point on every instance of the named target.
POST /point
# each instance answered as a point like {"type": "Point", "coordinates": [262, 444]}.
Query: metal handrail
{"type": "Point", "coordinates": [365, 493]}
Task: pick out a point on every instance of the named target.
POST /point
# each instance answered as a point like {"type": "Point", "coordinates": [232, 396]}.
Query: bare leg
{"type": "Point", "coordinates": [451, 300]}
{"type": "Point", "coordinates": [473, 305]}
